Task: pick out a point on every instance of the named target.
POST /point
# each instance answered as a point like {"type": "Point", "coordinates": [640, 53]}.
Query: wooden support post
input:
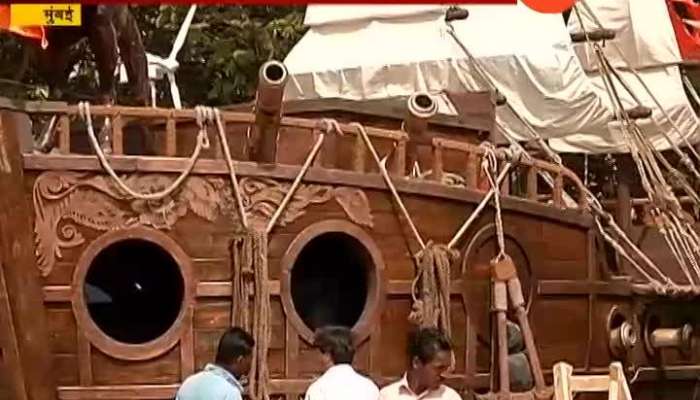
{"type": "Point", "coordinates": [558, 191]}
{"type": "Point", "coordinates": [22, 289]}
{"type": "Point", "coordinates": [329, 152]}
{"type": "Point", "coordinates": [359, 154]}
{"type": "Point", "coordinates": [64, 134]}
{"type": "Point", "coordinates": [532, 183]}
{"type": "Point", "coordinates": [472, 171]}
{"type": "Point", "coordinates": [400, 158]}
{"type": "Point", "coordinates": [562, 376]}
{"type": "Point", "coordinates": [437, 163]}
{"type": "Point", "coordinates": [326, 157]}
{"type": "Point", "coordinates": [117, 135]}
{"type": "Point", "coordinates": [170, 146]}
{"type": "Point", "coordinates": [505, 185]}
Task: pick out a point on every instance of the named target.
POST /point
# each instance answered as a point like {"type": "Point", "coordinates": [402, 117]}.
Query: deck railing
{"type": "Point", "coordinates": [524, 176]}
{"type": "Point", "coordinates": [529, 179]}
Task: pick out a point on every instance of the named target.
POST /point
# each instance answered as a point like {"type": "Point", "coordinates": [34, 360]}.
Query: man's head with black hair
{"type": "Point", "coordinates": [336, 344]}
{"type": "Point", "coordinates": [235, 351]}
{"type": "Point", "coordinates": [431, 357]}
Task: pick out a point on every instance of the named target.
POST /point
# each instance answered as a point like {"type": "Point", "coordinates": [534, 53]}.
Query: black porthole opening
{"type": "Point", "coordinates": [330, 280]}
{"type": "Point", "coordinates": [134, 291]}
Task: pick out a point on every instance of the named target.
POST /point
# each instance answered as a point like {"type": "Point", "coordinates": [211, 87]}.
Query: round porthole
{"type": "Point", "coordinates": [332, 276]}
{"type": "Point", "coordinates": [131, 290]}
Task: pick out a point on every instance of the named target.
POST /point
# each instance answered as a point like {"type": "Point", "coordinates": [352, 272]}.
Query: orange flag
{"type": "Point", "coordinates": [32, 32]}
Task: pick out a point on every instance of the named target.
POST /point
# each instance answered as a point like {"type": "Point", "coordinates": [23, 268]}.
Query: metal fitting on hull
{"type": "Point", "coordinates": [622, 339]}
{"type": "Point", "coordinates": [678, 338]}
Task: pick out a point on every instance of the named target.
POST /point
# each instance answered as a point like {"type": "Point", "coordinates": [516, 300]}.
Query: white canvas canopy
{"type": "Point", "coordinates": [645, 37]}
{"type": "Point", "coordinates": [386, 53]}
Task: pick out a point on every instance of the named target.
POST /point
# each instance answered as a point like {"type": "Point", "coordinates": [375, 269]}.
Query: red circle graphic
{"type": "Point", "coordinates": [549, 6]}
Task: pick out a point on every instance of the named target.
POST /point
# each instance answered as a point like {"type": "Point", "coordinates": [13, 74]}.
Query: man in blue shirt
{"type": "Point", "coordinates": [221, 380]}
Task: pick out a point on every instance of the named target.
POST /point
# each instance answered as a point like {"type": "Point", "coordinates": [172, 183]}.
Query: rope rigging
{"type": "Point", "coordinates": [431, 285]}
{"type": "Point", "coordinates": [603, 219]}
{"type": "Point", "coordinates": [506, 285]}
{"type": "Point", "coordinates": [672, 222]}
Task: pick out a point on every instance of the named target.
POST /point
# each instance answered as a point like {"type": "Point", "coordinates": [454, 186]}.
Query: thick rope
{"type": "Point", "coordinates": [297, 181]}
{"type": "Point", "coordinates": [250, 255]}
{"type": "Point", "coordinates": [515, 155]}
{"type": "Point", "coordinates": [259, 374]}
{"type": "Point", "coordinates": [387, 179]}
{"type": "Point", "coordinates": [250, 274]}
{"type": "Point", "coordinates": [231, 168]}
{"type": "Point", "coordinates": [202, 143]}
{"type": "Point", "coordinates": [431, 308]}
{"type": "Point", "coordinates": [241, 251]}
{"type": "Point", "coordinates": [433, 261]}
{"type": "Point", "coordinates": [489, 165]}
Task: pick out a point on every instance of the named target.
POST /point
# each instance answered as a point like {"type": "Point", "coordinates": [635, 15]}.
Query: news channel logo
{"type": "Point", "coordinates": [53, 14]}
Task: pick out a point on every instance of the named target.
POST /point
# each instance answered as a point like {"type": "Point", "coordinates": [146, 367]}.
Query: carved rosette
{"type": "Point", "coordinates": [65, 201]}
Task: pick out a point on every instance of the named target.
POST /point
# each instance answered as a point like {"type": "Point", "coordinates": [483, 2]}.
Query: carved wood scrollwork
{"type": "Point", "coordinates": [65, 201]}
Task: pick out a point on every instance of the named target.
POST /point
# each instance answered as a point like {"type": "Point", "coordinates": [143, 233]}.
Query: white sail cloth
{"type": "Point", "coordinates": [390, 52]}
{"type": "Point", "coordinates": [643, 31]}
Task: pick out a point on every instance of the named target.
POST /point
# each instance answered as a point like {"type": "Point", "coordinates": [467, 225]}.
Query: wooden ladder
{"type": "Point", "coordinates": [565, 384]}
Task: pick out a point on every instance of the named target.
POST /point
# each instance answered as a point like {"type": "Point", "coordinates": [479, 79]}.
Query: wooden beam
{"type": "Point", "coordinates": [57, 294]}
{"type": "Point", "coordinates": [21, 274]}
{"type": "Point", "coordinates": [223, 289]}
{"type": "Point", "coordinates": [121, 392]}
{"type": "Point", "coordinates": [581, 288]}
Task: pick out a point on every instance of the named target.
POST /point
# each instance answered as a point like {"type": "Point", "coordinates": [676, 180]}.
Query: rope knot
{"type": "Point", "coordinates": [687, 162]}
{"type": "Point", "coordinates": [204, 116]}
{"type": "Point", "coordinates": [331, 125]}
{"type": "Point", "coordinates": [513, 153]}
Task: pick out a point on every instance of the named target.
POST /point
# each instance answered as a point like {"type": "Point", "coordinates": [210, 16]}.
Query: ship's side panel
{"type": "Point", "coordinates": [81, 215]}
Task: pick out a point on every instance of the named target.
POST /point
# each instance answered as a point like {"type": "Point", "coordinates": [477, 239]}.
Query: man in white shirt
{"type": "Point", "coordinates": [340, 381]}
{"type": "Point", "coordinates": [431, 357]}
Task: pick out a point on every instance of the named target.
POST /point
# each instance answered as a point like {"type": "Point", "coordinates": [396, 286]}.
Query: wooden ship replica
{"type": "Point", "coordinates": [132, 245]}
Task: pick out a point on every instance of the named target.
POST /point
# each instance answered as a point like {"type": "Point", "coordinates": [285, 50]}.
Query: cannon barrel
{"type": "Point", "coordinates": [679, 338]}
{"type": "Point", "coordinates": [421, 107]}
{"type": "Point", "coordinates": [272, 79]}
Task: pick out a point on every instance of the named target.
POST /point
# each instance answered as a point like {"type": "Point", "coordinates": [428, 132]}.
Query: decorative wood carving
{"type": "Point", "coordinates": [63, 201]}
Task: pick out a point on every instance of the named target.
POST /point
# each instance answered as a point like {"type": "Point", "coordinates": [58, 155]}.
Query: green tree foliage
{"type": "Point", "coordinates": [218, 63]}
